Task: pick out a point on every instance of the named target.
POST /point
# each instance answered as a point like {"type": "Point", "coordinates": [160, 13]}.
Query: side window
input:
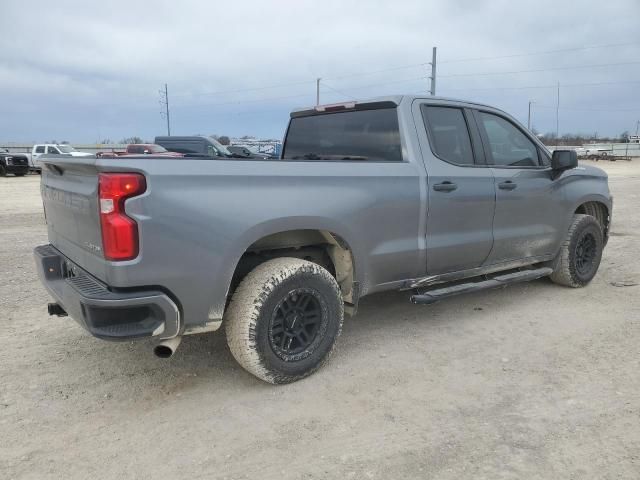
{"type": "Point", "coordinates": [52, 151]}
{"type": "Point", "coordinates": [449, 134]}
{"type": "Point", "coordinates": [507, 144]}
{"type": "Point", "coordinates": [136, 149]}
{"type": "Point", "coordinates": [40, 149]}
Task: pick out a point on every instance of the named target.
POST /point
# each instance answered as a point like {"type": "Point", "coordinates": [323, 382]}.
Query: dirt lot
{"type": "Point", "coordinates": [535, 381]}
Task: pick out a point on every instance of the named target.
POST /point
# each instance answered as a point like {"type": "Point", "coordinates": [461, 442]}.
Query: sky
{"type": "Point", "coordinates": [88, 71]}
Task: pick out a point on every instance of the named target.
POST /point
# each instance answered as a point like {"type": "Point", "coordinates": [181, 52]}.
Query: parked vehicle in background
{"type": "Point", "coordinates": [13, 163]}
{"type": "Point", "coordinates": [598, 154]}
{"type": "Point", "coordinates": [248, 152]}
{"type": "Point", "coordinates": [194, 146]}
{"type": "Point", "coordinates": [430, 195]}
{"type": "Point", "coordinates": [39, 150]}
{"type": "Point", "coordinates": [140, 149]}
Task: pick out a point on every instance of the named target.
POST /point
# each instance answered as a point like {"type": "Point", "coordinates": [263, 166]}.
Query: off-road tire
{"type": "Point", "coordinates": [3, 171]}
{"type": "Point", "coordinates": [257, 304]}
{"type": "Point", "coordinates": [19, 174]}
{"type": "Point", "coordinates": [568, 271]}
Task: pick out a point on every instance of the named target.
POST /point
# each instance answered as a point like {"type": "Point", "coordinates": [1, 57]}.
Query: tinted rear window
{"type": "Point", "coordinates": [449, 134]}
{"type": "Point", "coordinates": [358, 135]}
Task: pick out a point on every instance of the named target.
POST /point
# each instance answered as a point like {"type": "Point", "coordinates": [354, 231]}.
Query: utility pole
{"type": "Point", "coordinates": [164, 101]}
{"type": "Point", "coordinates": [433, 72]}
{"type": "Point", "coordinates": [318, 91]}
{"type": "Point", "coordinates": [558, 116]}
{"type": "Point", "coordinates": [529, 117]}
{"type": "Point", "coordinates": [637, 126]}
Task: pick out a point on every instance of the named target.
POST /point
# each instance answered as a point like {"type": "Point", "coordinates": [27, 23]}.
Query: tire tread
{"type": "Point", "coordinates": [244, 311]}
{"type": "Point", "coordinates": [564, 273]}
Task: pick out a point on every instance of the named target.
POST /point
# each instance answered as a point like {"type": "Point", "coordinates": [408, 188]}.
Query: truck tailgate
{"type": "Point", "coordinates": [69, 190]}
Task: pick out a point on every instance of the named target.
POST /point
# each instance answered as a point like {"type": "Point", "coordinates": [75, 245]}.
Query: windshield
{"type": "Point", "coordinates": [353, 135]}
{"type": "Point", "coordinates": [221, 148]}
{"type": "Point", "coordinates": [66, 148]}
{"type": "Point", "coordinates": [156, 149]}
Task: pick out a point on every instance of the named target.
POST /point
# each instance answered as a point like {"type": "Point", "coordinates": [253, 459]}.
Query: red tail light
{"type": "Point", "coordinates": [119, 232]}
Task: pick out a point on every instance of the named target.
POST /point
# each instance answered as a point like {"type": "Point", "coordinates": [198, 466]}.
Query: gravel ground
{"type": "Point", "coordinates": [535, 381]}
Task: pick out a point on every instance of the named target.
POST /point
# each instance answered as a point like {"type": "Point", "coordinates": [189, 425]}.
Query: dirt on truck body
{"type": "Point", "coordinates": [432, 195]}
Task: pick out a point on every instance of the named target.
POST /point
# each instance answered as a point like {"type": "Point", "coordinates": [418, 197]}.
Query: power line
{"type": "Point", "coordinates": [563, 50]}
{"type": "Point", "coordinates": [242, 90]}
{"type": "Point", "coordinates": [593, 84]}
{"type": "Point", "coordinates": [349, 97]}
{"type": "Point", "coordinates": [266, 99]}
{"type": "Point", "coordinates": [636, 109]}
{"type": "Point", "coordinates": [256, 100]}
{"type": "Point", "coordinates": [539, 70]}
{"type": "Point", "coordinates": [363, 87]}
{"type": "Point", "coordinates": [384, 70]}
{"type": "Point", "coordinates": [415, 79]}
{"type": "Point", "coordinates": [422, 64]}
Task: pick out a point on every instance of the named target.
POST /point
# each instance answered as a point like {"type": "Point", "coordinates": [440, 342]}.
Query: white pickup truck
{"type": "Point", "coordinates": [52, 149]}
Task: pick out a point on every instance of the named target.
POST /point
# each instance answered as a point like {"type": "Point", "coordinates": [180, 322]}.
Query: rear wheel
{"type": "Point", "coordinates": [580, 254]}
{"type": "Point", "coordinates": [284, 319]}
{"type": "Point", "coordinates": [19, 174]}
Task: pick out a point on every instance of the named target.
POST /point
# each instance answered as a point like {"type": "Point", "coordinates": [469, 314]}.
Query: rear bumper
{"type": "Point", "coordinates": [105, 313]}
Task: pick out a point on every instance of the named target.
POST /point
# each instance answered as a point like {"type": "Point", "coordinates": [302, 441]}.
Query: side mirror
{"type": "Point", "coordinates": [564, 160]}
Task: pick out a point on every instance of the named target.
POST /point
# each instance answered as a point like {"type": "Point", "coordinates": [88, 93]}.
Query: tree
{"type": "Point", "coordinates": [224, 140]}
{"type": "Point", "coordinates": [132, 140]}
{"type": "Point", "coordinates": [624, 137]}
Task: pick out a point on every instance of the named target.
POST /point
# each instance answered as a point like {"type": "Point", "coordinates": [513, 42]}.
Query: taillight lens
{"type": "Point", "coordinates": [119, 232]}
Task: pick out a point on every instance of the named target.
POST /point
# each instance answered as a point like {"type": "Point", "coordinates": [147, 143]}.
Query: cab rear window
{"type": "Point", "coordinates": [368, 135]}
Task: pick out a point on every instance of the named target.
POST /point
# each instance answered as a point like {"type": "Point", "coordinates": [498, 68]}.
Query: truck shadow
{"type": "Point", "coordinates": [378, 315]}
{"type": "Point", "coordinates": [204, 361]}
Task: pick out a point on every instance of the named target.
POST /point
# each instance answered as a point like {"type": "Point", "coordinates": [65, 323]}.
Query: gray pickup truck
{"type": "Point", "coordinates": [430, 195]}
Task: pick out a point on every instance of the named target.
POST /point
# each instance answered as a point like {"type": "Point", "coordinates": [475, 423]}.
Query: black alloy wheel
{"type": "Point", "coordinates": [295, 322]}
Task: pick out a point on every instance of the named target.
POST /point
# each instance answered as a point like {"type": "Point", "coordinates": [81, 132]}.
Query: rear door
{"type": "Point", "coordinates": [461, 192]}
{"type": "Point", "coordinates": [527, 216]}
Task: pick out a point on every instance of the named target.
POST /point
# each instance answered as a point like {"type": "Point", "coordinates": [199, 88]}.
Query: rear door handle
{"type": "Point", "coordinates": [508, 185]}
{"type": "Point", "coordinates": [445, 187]}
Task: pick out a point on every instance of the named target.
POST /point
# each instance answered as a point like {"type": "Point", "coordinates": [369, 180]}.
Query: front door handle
{"type": "Point", "coordinates": [508, 185]}
{"type": "Point", "coordinates": [445, 187]}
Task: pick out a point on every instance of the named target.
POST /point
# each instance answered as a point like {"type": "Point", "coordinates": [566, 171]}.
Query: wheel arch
{"type": "Point", "coordinates": [598, 208]}
{"type": "Point", "coordinates": [320, 241]}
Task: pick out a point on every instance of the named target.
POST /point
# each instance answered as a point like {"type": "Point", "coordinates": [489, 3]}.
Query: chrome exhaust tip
{"type": "Point", "coordinates": [166, 348]}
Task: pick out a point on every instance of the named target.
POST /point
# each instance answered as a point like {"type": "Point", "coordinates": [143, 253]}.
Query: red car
{"type": "Point", "coordinates": [141, 149]}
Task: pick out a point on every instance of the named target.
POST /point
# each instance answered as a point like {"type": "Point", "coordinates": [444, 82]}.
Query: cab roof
{"type": "Point", "coordinates": [378, 102]}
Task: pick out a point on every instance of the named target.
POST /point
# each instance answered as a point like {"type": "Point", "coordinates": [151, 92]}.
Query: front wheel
{"type": "Point", "coordinates": [3, 171]}
{"type": "Point", "coordinates": [580, 254]}
{"type": "Point", "coordinates": [284, 319]}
